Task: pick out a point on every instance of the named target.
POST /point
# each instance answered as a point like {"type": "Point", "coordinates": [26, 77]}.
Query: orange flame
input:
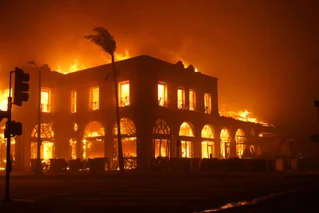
{"type": "Point", "coordinates": [4, 99]}
{"type": "Point", "coordinates": [243, 116]}
{"type": "Point", "coordinates": [76, 65]}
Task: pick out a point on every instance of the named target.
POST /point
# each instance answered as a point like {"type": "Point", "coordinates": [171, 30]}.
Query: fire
{"type": "Point", "coordinates": [243, 116]}
{"type": "Point", "coordinates": [187, 64]}
{"type": "Point", "coordinates": [121, 57]}
{"type": "Point", "coordinates": [4, 99]}
{"type": "Point", "coordinates": [76, 65]}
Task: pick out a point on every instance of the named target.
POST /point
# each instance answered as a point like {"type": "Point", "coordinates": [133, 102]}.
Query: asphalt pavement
{"type": "Point", "coordinates": [145, 192]}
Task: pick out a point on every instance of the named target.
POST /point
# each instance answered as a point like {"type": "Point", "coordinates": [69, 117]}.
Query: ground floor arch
{"type": "Point", "coordinates": [241, 145]}
{"type": "Point", "coordinates": [73, 144]}
{"type": "Point", "coordinates": [186, 140]}
{"type": "Point", "coordinates": [162, 139]}
{"type": "Point", "coordinates": [129, 144]}
{"type": "Point", "coordinates": [47, 148]}
{"type": "Point", "coordinates": [207, 142]}
{"type": "Point", "coordinates": [225, 143]}
{"type": "Point", "coordinates": [93, 141]}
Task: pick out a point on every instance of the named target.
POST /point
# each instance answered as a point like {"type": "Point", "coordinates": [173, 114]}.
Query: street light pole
{"type": "Point", "coordinates": [38, 169]}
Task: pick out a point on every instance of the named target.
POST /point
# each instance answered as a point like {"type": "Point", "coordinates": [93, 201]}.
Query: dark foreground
{"type": "Point", "coordinates": [159, 193]}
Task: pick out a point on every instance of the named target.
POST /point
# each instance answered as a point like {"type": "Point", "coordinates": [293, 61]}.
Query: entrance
{"type": "Point", "coordinates": [47, 149]}
{"type": "Point", "coordinates": [46, 152]}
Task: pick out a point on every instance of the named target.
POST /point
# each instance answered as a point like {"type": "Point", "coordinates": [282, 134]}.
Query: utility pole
{"type": "Point", "coordinates": [7, 135]}
{"type": "Point", "coordinates": [21, 87]}
{"type": "Point", "coordinates": [38, 169]}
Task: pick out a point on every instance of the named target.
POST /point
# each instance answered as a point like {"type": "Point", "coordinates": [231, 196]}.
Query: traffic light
{"type": "Point", "coordinates": [3, 114]}
{"type": "Point", "coordinates": [21, 87]}
{"type": "Point", "coordinates": [15, 128]}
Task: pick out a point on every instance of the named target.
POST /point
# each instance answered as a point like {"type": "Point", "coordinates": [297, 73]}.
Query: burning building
{"type": "Point", "coordinates": [166, 110]}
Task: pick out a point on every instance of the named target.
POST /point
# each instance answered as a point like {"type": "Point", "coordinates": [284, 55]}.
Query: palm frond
{"type": "Point", "coordinates": [103, 39]}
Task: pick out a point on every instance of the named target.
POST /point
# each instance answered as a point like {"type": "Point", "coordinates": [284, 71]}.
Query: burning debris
{"type": "Point", "coordinates": [245, 116]}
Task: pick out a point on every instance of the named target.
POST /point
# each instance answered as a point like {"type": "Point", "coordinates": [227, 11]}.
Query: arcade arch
{"type": "Point", "coordinates": [225, 143]}
{"type": "Point", "coordinates": [207, 143]}
{"type": "Point", "coordinates": [93, 140]}
{"type": "Point", "coordinates": [187, 139]}
{"type": "Point", "coordinates": [73, 144]}
{"type": "Point", "coordinates": [47, 148]}
{"type": "Point", "coordinates": [161, 139]}
{"type": "Point", "coordinates": [240, 139]}
{"type": "Point", "coordinates": [129, 147]}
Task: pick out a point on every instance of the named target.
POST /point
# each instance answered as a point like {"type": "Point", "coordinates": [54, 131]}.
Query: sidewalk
{"type": "Point", "coordinates": [281, 174]}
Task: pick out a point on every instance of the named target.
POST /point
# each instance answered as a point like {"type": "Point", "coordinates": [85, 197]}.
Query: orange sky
{"type": "Point", "coordinates": [263, 52]}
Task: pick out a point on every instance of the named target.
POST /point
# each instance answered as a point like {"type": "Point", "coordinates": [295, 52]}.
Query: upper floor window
{"type": "Point", "coordinates": [162, 94]}
{"type": "Point", "coordinates": [180, 98]}
{"type": "Point", "coordinates": [192, 100]}
{"type": "Point", "coordinates": [207, 103]}
{"type": "Point", "coordinates": [95, 98]}
{"type": "Point", "coordinates": [73, 101]}
{"type": "Point", "coordinates": [46, 100]}
{"type": "Point", "coordinates": [124, 93]}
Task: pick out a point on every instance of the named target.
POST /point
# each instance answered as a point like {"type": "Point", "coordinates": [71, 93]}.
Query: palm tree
{"type": "Point", "coordinates": [105, 40]}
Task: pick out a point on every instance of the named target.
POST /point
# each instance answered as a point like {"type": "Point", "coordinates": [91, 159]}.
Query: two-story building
{"type": "Point", "coordinates": [165, 109]}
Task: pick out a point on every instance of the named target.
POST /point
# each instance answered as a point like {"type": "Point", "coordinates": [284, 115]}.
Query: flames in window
{"type": "Point", "coordinates": [4, 99]}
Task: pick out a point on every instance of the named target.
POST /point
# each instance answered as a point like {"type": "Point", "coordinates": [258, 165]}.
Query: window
{"type": "Point", "coordinates": [187, 151]}
{"type": "Point", "coordinates": [45, 100]}
{"type": "Point", "coordinates": [4, 99]}
{"type": "Point", "coordinates": [162, 94]}
{"type": "Point", "coordinates": [161, 148]}
{"type": "Point", "coordinates": [124, 93]}
{"type": "Point", "coordinates": [192, 100]}
{"type": "Point", "coordinates": [207, 103]}
{"type": "Point", "coordinates": [94, 98]}
{"type": "Point", "coordinates": [73, 101]}
{"type": "Point", "coordinates": [180, 98]}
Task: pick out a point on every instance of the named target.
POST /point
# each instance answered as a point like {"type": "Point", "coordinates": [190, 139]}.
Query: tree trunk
{"type": "Point", "coordinates": [119, 140]}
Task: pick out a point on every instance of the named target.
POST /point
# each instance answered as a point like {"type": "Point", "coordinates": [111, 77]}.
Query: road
{"type": "Point", "coordinates": [143, 193]}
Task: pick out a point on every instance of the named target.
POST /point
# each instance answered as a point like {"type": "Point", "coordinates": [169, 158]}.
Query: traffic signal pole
{"type": "Point", "coordinates": [7, 197]}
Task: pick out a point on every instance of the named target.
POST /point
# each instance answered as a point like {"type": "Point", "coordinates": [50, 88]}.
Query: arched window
{"type": "Point", "coordinates": [93, 140]}
{"type": "Point", "coordinates": [186, 133]}
{"type": "Point", "coordinates": [129, 147]}
{"type": "Point", "coordinates": [186, 130]}
{"type": "Point", "coordinates": [225, 143]}
{"type": "Point", "coordinates": [240, 142]}
{"type": "Point", "coordinates": [207, 132]}
{"type": "Point", "coordinates": [94, 130]}
{"type": "Point", "coordinates": [207, 143]}
{"type": "Point", "coordinates": [162, 138]}
{"type": "Point", "coordinates": [47, 146]}
{"type": "Point", "coordinates": [128, 128]}
{"type": "Point", "coordinates": [161, 127]}
{"type": "Point", "coordinates": [46, 131]}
